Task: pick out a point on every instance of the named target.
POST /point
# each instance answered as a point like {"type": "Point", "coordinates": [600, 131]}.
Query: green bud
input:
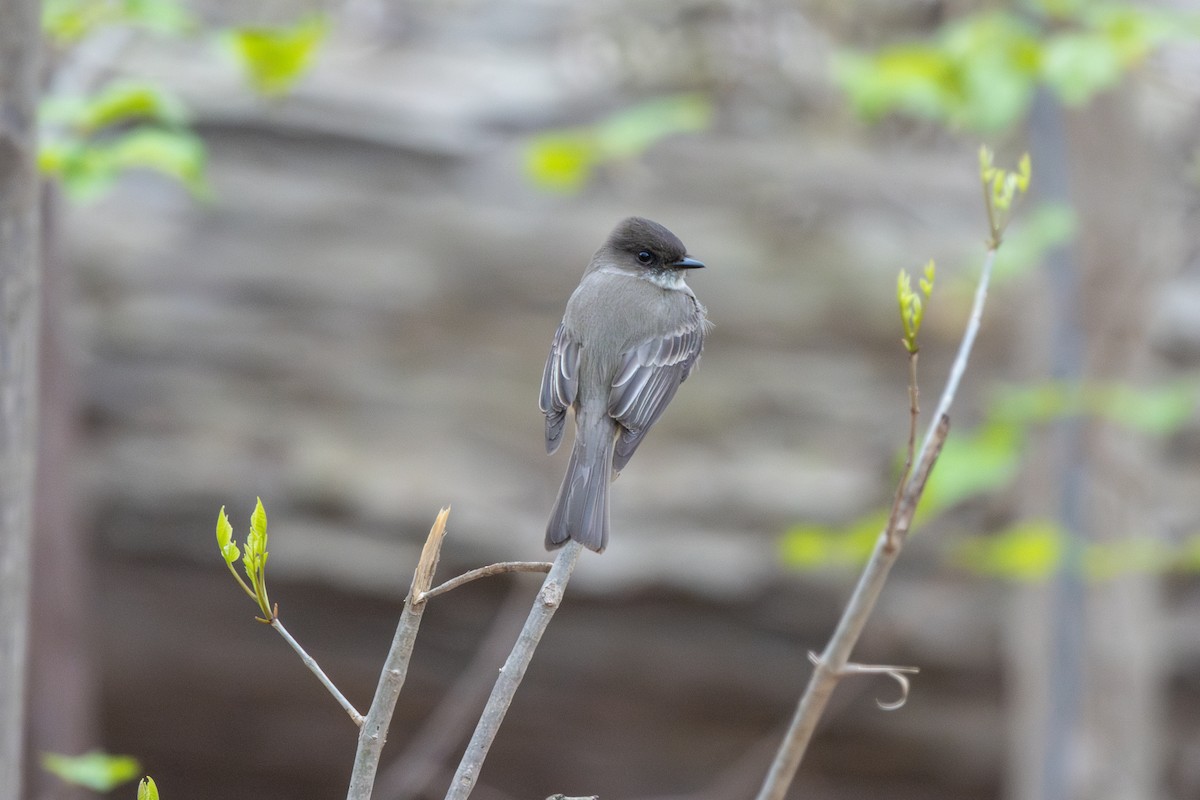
{"type": "Point", "coordinates": [985, 163]}
{"type": "Point", "coordinates": [147, 790]}
{"type": "Point", "coordinates": [1024, 172]}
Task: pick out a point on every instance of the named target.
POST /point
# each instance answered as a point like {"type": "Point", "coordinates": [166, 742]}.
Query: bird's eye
{"type": "Point", "coordinates": [645, 257]}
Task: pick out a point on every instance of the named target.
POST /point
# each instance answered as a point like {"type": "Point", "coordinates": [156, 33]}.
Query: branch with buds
{"type": "Point", "coordinates": [1000, 190]}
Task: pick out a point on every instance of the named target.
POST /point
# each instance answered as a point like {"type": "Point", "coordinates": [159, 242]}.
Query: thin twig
{"type": "Point", "coordinates": [448, 725]}
{"type": "Point", "coordinates": [486, 572]}
{"type": "Point", "coordinates": [311, 663]}
{"type": "Point", "coordinates": [547, 602]}
{"type": "Point", "coordinates": [914, 416]}
{"type": "Point", "coordinates": [373, 734]}
{"type": "Point", "coordinates": [831, 664]}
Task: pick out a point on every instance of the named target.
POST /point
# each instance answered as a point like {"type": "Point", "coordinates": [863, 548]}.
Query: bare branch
{"type": "Point", "coordinates": [312, 665]}
{"type": "Point", "coordinates": [485, 572]}
{"type": "Point", "coordinates": [914, 416]}
{"type": "Point", "coordinates": [447, 726]}
{"type": "Point", "coordinates": [373, 732]}
{"type": "Point", "coordinates": [831, 664]}
{"type": "Point", "coordinates": [547, 602]}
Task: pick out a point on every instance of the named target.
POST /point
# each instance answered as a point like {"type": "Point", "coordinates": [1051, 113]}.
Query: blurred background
{"type": "Point", "coordinates": [315, 252]}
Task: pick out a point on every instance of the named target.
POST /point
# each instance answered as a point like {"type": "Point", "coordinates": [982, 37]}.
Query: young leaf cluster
{"type": "Point", "coordinates": [912, 307]}
{"type": "Point", "coordinates": [1000, 189]}
{"type": "Point", "coordinates": [254, 559]}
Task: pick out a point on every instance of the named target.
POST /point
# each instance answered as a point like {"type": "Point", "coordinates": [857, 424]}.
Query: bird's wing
{"type": "Point", "coordinates": [560, 384]}
{"type": "Point", "coordinates": [649, 375]}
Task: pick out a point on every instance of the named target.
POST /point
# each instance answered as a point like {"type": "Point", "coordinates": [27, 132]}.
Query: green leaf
{"type": "Point", "coordinates": [122, 102]}
{"type": "Point", "coordinates": [94, 770]}
{"type": "Point", "coordinates": [1079, 65]}
{"type": "Point", "coordinates": [1134, 31]}
{"type": "Point", "coordinates": [631, 132]}
{"type": "Point", "coordinates": [1156, 411]}
{"type": "Point", "coordinates": [561, 161]}
{"type": "Point", "coordinates": [229, 549]}
{"type": "Point", "coordinates": [88, 167]}
{"type": "Point", "coordinates": [68, 21]}
{"type": "Point", "coordinates": [564, 160]}
{"type": "Point", "coordinates": [808, 547]}
{"type": "Point", "coordinates": [1037, 231]}
{"type": "Point", "coordinates": [177, 154]}
{"type": "Point", "coordinates": [916, 79]}
{"type": "Point", "coordinates": [1153, 410]}
{"type": "Point", "coordinates": [161, 16]}
{"type": "Point", "coordinates": [1028, 551]}
{"type": "Point", "coordinates": [147, 790]}
{"type": "Point", "coordinates": [258, 522]}
{"type": "Point", "coordinates": [1142, 554]}
{"type": "Point", "coordinates": [275, 58]}
{"type": "Point", "coordinates": [973, 463]}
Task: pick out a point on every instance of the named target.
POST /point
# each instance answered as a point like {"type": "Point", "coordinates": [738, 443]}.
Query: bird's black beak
{"type": "Point", "coordinates": [687, 262]}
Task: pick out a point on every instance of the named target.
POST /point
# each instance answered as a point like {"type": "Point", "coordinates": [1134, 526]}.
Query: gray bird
{"type": "Point", "coordinates": [632, 333]}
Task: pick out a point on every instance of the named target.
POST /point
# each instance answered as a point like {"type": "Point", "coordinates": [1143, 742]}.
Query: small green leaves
{"type": "Point", "coordinates": [147, 790]}
{"type": "Point", "coordinates": [275, 58]}
{"type": "Point", "coordinates": [1000, 189]}
{"type": "Point", "coordinates": [254, 557]}
{"type": "Point", "coordinates": [68, 21]}
{"type": "Point", "coordinates": [912, 307]}
{"type": "Point", "coordinates": [118, 103]}
{"type": "Point", "coordinates": [229, 548]}
{"type": "Point", "coordinates": [564, 160]}
{"type": "Point", "coordinates": [1030, 551]}
{"type": "Point", "coordinates": [981, 70]}
{"type": "Point", "coordinates": [93, 770]}
{"type": "Point", "coordinates": [809, 547]}
{"type": "Point", "coordinates": [88, 142]}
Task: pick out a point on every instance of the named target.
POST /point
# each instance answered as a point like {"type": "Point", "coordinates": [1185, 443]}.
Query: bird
{"type": "Point", "coordinates": [632, 332]}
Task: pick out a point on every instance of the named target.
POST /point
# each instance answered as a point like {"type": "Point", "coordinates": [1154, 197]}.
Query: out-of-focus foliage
{"type": "Point", "coordinates": [275, 58]}
{"type": "Point", "coordinates": [973, 463]}
{"type": "Point", "coordinates": [1156, 411]}
{"type": "Point", "coordinates": [1028, 551]}
{"type": "Point", "coordinates": [93, 770]}
{"type": "Point", "coordinates": [809, 547]}
{"type": "Point", "coordinates": [1040, 228]}
{"type": "Point", "coordinates": [564, 160]}
{"type": "Point", "coordinates": [980, 72]}
{"type": "Point", "coordinates": [985, 460]}
{"type": "Point", "coordinates": [90, 140]}
{"type": "Point", "coordinates": [1035, 550]}
{"type": "Point", "coordinates": [68, 21]}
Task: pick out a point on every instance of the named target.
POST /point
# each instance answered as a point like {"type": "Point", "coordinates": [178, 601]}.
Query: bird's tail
{"type": "Point", "coordinates": [581, 510]}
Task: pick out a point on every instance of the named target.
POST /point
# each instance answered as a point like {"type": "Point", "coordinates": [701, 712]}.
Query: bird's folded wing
{"type": "Point", "coordinates": [560, 385]}
{"type": "Point", "coordinates": [649, 375]}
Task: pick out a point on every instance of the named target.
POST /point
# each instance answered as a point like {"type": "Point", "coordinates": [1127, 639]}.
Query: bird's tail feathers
{"type": "Point", "coordinates": [581, 510]}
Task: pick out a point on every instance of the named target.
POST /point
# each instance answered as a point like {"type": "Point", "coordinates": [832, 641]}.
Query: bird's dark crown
{"type": "Point", "coordinates": [637, 234]}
